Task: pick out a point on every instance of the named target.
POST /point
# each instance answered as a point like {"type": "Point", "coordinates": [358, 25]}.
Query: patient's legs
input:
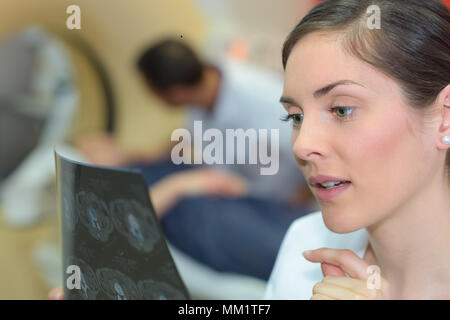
{"type": "Point", "coordinates": [234, 235]}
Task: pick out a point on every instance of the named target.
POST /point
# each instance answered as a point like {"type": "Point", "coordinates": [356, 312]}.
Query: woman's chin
{"type": "Point", "coordinates": [340, 223]}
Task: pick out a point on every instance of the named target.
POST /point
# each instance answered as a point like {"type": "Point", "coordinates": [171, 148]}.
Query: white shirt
{"type": "Point", "coordinates": [248, 98]}
{"type": "Point", "coordinates": [293, 277]}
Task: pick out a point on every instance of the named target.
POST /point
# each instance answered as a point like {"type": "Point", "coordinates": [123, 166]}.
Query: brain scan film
{"type": "Point", "coordinates": [70, 219]}
{"type": "Point", "coordinates": [132, 221]}
{"type": "Point", "coordinates": [116, 285]}
{"type": "Point", "coordinates": [94, 215]}
{"type": "Point", "coordinates": [155, 290]}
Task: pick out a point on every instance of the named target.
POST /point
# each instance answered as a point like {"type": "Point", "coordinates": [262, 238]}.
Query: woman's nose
{"type": "Point", "coordinates": [308, 144]}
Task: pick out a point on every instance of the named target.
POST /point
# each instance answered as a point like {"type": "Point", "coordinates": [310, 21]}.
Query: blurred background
{"type": "Point", "coordinates": [91, 73]}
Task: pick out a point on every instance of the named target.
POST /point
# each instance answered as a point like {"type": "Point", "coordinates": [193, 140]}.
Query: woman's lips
{"type": "Point", "coordinates": [321, 178]}
{"type": "Point", "coordinates": [329, 194]}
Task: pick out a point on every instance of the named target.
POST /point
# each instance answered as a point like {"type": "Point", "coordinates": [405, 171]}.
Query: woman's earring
{"type": "Point", "coordinates": [446, 139]}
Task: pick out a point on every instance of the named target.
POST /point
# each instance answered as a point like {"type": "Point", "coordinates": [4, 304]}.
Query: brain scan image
{"type": "Point", "coordinates": [70, 219]}
{"type": "Point", "coordinates": [83, 285]}
{"type": "Point", "coordinates": [93, 220]}
{"type": "Point", "coordinates": [134, 227]}
{"type": "Point", "coordinates": [89, 286]}
{"type": "Point", "coordinates": [93, 214]}
{"type": "Point", "coordinates": [116, 285]}
{"type": "Point", "coordinates": [155, 290]}
{"type": "Point", "coordinates": [120, 294]}
{"type": "Point", "coordinates": [132, 220]}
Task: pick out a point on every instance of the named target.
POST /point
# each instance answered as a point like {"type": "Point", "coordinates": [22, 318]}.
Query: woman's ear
{"type": "Point", "coordinates": [444, 130]}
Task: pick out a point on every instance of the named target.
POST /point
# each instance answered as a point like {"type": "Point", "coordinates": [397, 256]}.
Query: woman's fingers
{"type": "Point", "coordinates": [319, 296]}
{"type": "Point", "coordinates": [364, 280]}
{"type": "Point", "coordinates": [56, 294]}
{"type": "Point", "coordinates": [359, 287]}
{"type": "Point", "coordinates": [338, 292]}
{"type": "Point", "coordinates": [331, 270]}
{"type": "Point", "coordinates": [346, 260]}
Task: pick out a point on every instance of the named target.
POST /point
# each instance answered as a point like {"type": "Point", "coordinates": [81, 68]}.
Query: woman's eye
{"type": "Point", "coordinates": [343, 112]}
{"type": "Point", "coordinates": [297, 119]}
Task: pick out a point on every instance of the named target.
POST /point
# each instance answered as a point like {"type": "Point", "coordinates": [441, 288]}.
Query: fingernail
{"type": "Point", "coordinates": [307, 253]}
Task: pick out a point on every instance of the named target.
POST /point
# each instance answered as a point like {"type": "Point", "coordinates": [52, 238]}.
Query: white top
{"type": "Point", "coordinates": [293, 277]}
{"type": "Point", "coordinates": [248, 98]}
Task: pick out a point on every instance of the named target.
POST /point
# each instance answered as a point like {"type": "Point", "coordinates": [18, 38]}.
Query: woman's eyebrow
{"type": "Point", "coordinates": [321, 92]}
{"type": "Point", "coordinates": [325, 90]}
{"type": "Point", "coordinates": [288, 100]}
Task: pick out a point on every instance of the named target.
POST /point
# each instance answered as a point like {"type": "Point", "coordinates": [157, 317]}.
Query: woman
{"type": "Point", "coordinates": [370, 109]}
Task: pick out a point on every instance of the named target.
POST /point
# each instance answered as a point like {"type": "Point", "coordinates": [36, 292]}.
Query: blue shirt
{"type": "Point", "coordinates": [248, 98]}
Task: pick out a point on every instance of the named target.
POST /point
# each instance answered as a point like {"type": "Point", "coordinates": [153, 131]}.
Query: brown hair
{"type": "Point", "coordinates": [412, 46]}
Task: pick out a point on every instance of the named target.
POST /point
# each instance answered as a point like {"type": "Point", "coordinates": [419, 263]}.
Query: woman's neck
{"type": "Point", "coordinates": [411, 246]}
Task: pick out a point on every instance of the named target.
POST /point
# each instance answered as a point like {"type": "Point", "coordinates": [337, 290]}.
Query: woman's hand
{"type": "Point", "coordinates": [56, 294]}
{"type": "Point", "coordinates": [361, 283]}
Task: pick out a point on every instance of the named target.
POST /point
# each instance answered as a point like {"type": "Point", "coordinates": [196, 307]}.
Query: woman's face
{"type": "Point", "coordinates": [371, 140]}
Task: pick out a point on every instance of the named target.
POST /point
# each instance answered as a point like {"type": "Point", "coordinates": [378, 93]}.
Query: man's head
{"type": "Point", "coordinates": [173, 71]}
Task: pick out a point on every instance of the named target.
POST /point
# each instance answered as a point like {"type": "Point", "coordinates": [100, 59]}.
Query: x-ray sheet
{"type": "Point", "coordinates": [112, 244]}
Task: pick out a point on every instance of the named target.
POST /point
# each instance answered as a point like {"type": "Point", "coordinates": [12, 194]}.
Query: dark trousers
{"type": "Point", "coordinates": [240, 235]}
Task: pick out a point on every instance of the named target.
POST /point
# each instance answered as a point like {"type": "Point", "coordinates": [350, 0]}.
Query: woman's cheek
{"type": "Point", "coordinates": [380, 155]}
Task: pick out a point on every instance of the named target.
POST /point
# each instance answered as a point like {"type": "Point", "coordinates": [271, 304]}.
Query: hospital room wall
{"type": "Point", "coordinates": [117, 31]}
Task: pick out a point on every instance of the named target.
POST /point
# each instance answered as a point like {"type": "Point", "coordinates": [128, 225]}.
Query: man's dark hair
{"type": "Point", "coordinates": [170, 62]}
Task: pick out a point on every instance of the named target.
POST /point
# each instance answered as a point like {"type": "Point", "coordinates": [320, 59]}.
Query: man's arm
{"type": "Point", "coordinates": [168, 191]}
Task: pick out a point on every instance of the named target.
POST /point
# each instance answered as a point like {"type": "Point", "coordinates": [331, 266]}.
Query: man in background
{"type": "Point", "coordinates": [225, 95]}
